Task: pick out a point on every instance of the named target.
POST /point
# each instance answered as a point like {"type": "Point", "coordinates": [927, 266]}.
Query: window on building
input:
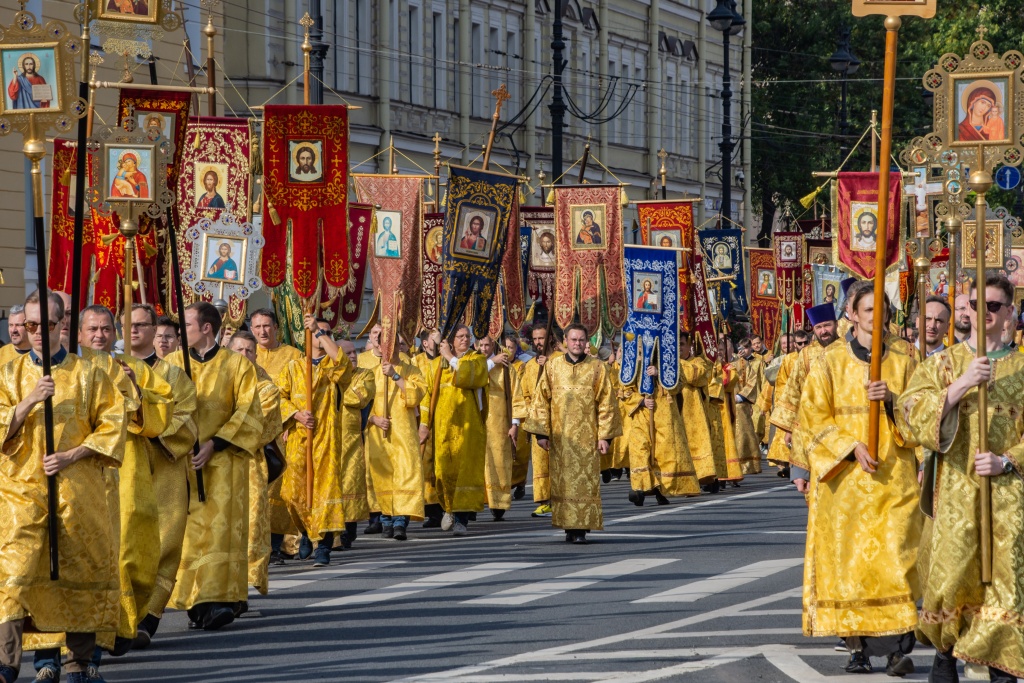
{"type": "Point", "coordinates": [477, 57]}
{"type": "Point", "coordinates": [440, 66]}
{"type": "Point", "coordinates": [364, 46]}
{"type": "Point", "coordinates": [415, 46]}
{"type": "Point", "coordinates": [456, 80]}
{"type": "Point", "coordinates": [394, 51]}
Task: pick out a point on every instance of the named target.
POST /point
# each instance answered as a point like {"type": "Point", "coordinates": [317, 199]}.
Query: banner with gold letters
{"type": "Point", "coordinates": [590, 280]}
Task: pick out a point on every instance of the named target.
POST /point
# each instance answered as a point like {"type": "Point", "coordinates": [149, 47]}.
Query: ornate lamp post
{"type": "Point", "coordinates": [726, 19]}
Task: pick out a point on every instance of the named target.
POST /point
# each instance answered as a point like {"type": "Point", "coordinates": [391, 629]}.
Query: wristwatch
{"type": "Point", "coordinates": [320, 333]}
{"type": "Point", "coordinates": [395, 376]}
{"type": "Point", "coordinates": [1007, 464]}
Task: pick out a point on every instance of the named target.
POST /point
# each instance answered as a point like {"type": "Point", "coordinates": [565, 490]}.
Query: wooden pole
{"type": "Point", "coordinates": [892, 28]}
{"type": "Point", "coordinates": [501, 94]}
{"type": "Point", "coordinates": [981, 183]}
{"type": "Point", "coordinates": [922, 264]}
{"type": "Point", "coordinates": [953, 228]}
{"type": "Point", "coordinates": [874, 140]}
{"type": "Point", "coordinates": [210, 32]}
{"type": "Point", "coordinates": [583, 163]}
{"type": "Point", "coordinates": [310, 308]}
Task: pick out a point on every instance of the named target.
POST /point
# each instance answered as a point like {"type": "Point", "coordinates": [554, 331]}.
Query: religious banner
{"type": "Point", "coordinates": [510, 302]}
{"type": "Point", "coordinates": [214, 177]}
{"type": "Point", "coordinates": [350, 298]}
{"type": "Point", "coordinates": [431, 269]}
{"type": "Point", "coordinates": [723, 255]}
{"type": "Point", "coordinates": [481, 208]}
{"type": "Point", "coordinates": [827, 286]}
{"type": "Point", "coordinates": [540, 221]}
{"type": "Point", "coordinates": [703, 319]}
{"type": "Point", "coordinates": [670, 224]}
{"type": "Point", "coordinates": [394, 253]}
{"type": "Point", "coordinates": [590, 282]}
{"type": "Point", "coordinates": [62, 221]}
{"type": "Point", "coordinates": [305, 196]}
{"type": "Point", "coordinates": [765, 313]}
{"type": "Point", "coordinates": [789, 263]}
{"type": "Point", "coordinates": [225, 258]}
{"type": "Point", "coordinates": [127, 27]}
{"type": "Point", "coordinates": [855, 223]}
{"type": "Point", "coordinates": [652, 323]}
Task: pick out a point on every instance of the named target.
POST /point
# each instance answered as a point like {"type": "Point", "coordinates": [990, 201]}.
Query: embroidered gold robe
{"type": "Point", "coordinates": [863, 529]}
{"type": "Point", "coordinates": [259, 514]}
{"type": "Point", "coordinates": [668, 466]}
{"type": "Point", "coordinates": [574, 407]}
{"type": "Point", "coordinates": [273, 361]}
{"type": "Point", "coordinates": [282, 520]}
{"type": "Point", "coordinates": [748, 382]}
{"type": "Point", "coordinates": [500, 453]}
{"type": "Point", "coordinates": [618, 455]}
{"type": "Point", "coordinates": [521, 466]}
{"type": "Point", "coordinates": [87, 411]}
{"type": "Point", "coordinates": [785, 412]}
{"type": "Point", "coordinates": [981, 623]}
{"type": "Point", "coordinates": [215, 556]}
{"type": "Point", "coordinates": [9, 352]}
{"type": "Point", "coordinates": [357, 495]}
{"type": "Point", "coordinates": [694, 377]}
{"type": "Point", "coordinates": [330, 379]}
{"type": "Point", "coordinates": [720, 418]}
{"type": "Point", "coordinates": [778, 451]}
{"type": "Point", "coordinates": [422, 364]}
{"type": "Point", "coordinates": [459, 434]}
{"type": "Point", "coordinates": [394, 457]}
{"type": "Point", "coordinates": [522, 404]}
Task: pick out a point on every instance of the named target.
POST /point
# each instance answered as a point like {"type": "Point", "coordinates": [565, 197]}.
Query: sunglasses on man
{"type": "Point", "coordinates": [990, 306]}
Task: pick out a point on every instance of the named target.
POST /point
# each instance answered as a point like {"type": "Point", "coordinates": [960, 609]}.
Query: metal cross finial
{"type": "Point", "coordinates": [982, 29]}
{"type": "Point", "coordinates": [437, 142]}
{"type": "Point", "coordinates": [501, 94]}
{"type": "Point", "coordinates": [307, 23]}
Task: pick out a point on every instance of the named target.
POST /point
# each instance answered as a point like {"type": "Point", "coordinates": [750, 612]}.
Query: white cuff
{"type": "Point", "coordinates": [490, 365]}
{"type": "Point", "coordinates": [515, 421]}
{"type": "Point", "coordinates": [454, 363]}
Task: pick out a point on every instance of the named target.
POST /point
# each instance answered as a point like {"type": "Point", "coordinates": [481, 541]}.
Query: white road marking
{"type": "Point", "coordinates": [402, 590]}
{"type": "Point", "coordinates": [696, 590]}
{"type": "Point", "coordinates": [296, 580]}
{"type": "Point", "coordinates": [707, 534]}
{"type": "Point", "coordinates": [694, 506]}
{"type": "Point", "coordinates": [520, 595]}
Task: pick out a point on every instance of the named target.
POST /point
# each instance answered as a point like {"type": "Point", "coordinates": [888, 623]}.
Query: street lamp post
{"type": "Point", "coordinates": [557, 106]}
{"type": "Point", "coordinates": [845, 63]}
{"type": "Point", "coordinates": [726, 19]}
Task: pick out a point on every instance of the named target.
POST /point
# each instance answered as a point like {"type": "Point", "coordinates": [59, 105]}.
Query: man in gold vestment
{"type": "Point", "coordinates": [501, 437]}
{"type": "Point", "coordinates": [521, 466]}
{"type": "Point", "coordinates": [325, 514]}
{"type": "Point", "coordinates": [960, 616]}
{"type": "Point", "coordinates": [460, 438]}
{"type": "Point", "coordinates": [430, 342]}
{"type": "Point", "coordinates": [522, 403]}
{"type": "Point", "coordinates": [271, 354]}
{"type": "Point", "coordinates": [863, 523]}
{"type": "Point", "coordinates": [694, 376]}
{"type": "Point", "coordinates": [573, 415]}
{"type": "Point", "coordinates": [20, 344]}
{"type": "Point", "coordinates": [356, 491]}
{"type": "Point", "coordinates": [170, 466]}
{"type": "Point", "coordinates": [91, 414]}
{"type": "Point", "coordinates": [749, 369]}
{"type": "Point", "coordinates": [214, 571]}
{"type": "Point", "coordinates": [721, 418]}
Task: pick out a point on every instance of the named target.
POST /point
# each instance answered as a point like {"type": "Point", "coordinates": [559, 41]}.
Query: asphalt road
{"type": "Point", "coordinates": [703, 590]}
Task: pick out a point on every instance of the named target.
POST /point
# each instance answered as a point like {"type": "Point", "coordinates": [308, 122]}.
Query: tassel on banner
{"type": "Point", "coordinates": [275, 217]}
{"type": "Point", "coordinates": [623, 197]}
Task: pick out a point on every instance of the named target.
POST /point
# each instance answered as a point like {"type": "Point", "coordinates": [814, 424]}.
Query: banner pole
{"type": "Point", "coordinates": [981, 183]}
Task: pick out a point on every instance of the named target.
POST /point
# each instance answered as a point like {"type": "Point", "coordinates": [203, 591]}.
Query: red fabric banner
{"type": "Point", "coordinates": [789, 262]}
{"type": "Point", "coordinates": [588, 221]}
{"type": "Point", "coordinates": [431, 270]}
{"type": "Point", "coordinates": [703, 321]}
{"type": "Point", "coordinates": [305, 193]}
{"type": "Point", "coordinates": [360, 225]}
{"type": "Point", "coordinates": [671, 221]}
{"type": "Point", "coordinates": [855, 224]}
{"type": "Point", "coordinates": [765, 311]}
{"type": "Point", "coordinates": [62, 222]}
{"type": "Point", "coordinates": [541, 275]}
{"type": "Point", "coordinates": [513, 296]}
{"type": "Point", "coordinates": [394, 251]}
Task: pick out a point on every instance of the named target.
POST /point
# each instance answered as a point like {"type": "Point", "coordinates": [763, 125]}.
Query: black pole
{"type": "Point", "coordinates": [317, 54]}
{"type": "Point", "coordinates": [726, 145]}
{"type": "Point", "coordinates": [557, 106]}
{"type": "Point", "coordinates": [81, 157]}
{"type": "Point", "coordinates": [844, 124]}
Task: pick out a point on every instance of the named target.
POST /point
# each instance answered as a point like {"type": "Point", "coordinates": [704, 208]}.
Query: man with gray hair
{"type": "Point", "coordinates": [19, 340]}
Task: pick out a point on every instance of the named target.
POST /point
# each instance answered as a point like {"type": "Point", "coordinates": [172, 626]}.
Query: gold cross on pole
{"type": "Point", "coordinates": [500, 95]}
{"type": "Point", "coordinates": [662, 154]}
{"type": "Point", "coordinates": [982, 29]}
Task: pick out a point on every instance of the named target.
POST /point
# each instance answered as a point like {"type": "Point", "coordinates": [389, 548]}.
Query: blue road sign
{"type": "Point", "coordinates": [1007, 177]}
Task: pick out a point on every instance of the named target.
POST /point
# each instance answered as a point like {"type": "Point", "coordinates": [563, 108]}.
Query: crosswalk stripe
{"type": "Point", "coordinates": [520, 595]}
{"type": "Point", "coordinates": [696, 590]}
{"type": "Point", "coordinates": [296, 580]}
{"type": "Point", "coordinates": [401, 590]}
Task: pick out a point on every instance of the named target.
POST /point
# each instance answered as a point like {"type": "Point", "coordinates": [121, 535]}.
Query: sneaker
{"type": "Point", "coordinates": [321, 557]}
{"type": "Point", "coordinates": [47, 673]}
{"type": "Point", "coordinates": [276, 559]}
{"type": "Point", "coordinates": [858, 664]}
{"type": "Point", "coordinates": [459, 529]}
{"type": "Point", "coordinates": [617, 473]}
{"type": "Point", "coordinates": [519, 492]}
{"type": "Point", "coordinates": [579, 538]}
{"type": "Point", "coordinates": [142, 639]}
{"type": "Point", "coordinates": [400, 534]}
{"type": "Point", "coordinates": [543, 510]}
{"type": "Point", "coordinates": [305, 548]}
{"type": "Point", "coordinates": [840, 646]}
{"type": "Point", "coordinates": [498, 515]}
{"type": "Point", "coordinates": [375, 527]}
{"type": "Point", "coordinates": [92, 675]}
{"type": "Point", "coordinates": [898, 664]}
{"type": "Point", "coordinates": [447, 522]}
{"type": "Point", "coordinates": [388, 531]}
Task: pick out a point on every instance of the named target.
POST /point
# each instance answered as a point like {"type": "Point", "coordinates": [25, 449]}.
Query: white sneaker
{"type": "Point", "coordinates": [975, 672]}
{"type": "Point", "coordinates": [447, 521]}
{"type": "Point", "coordinates": [459, 529]}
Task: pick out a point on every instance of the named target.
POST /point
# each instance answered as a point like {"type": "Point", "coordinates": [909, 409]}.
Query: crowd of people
{"type": "Point", "coordinates": [182, 473]}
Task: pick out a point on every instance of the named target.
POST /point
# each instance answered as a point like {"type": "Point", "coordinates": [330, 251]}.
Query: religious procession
{"type": "Point", "coordinates": [273, 412]}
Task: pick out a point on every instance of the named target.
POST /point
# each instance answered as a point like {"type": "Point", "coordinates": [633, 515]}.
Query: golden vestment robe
{"type": "Point", "coordinates": [863, 529]}
{"type": "Point", "coordinates": [215, 557]}
{"type": "Point", "coordinates": [326, 512]}
{"type": "Point", "coordinates": [422, 364]}
{"type": "Point", "coordinates": [694, 376]}
{"type": "Point", "coordinates": [273, 361]}
{"type": "Point", "coordinates": [522, 404]}
{"type": "Point", "coordinates": [170, 480]}
{"type": "Point", "coordinates": [521, 465]}
{"type": "Point", "coordinates": [9, 352]}
{"type": "Point", "coordinates": [787, 406]}
{"type": "Point", "coordinates": [574, 407]}
{"type": "Point", "coordinates": [500, 453]}
{"type": "Point", "coordinates": [618, 454]}
{"type": "Point", "coordinates": [356, 491]}
{"type": "Point", "coordinates": [259, 504]}
{"type": "Point", "coordinates": [748, 382]}
{"type": "Point", "coordinates": [282, 521]}
{"type": "Point", "coordinates": [394, 458]}
{"type": "Point", "coordinates": [88, 411]}
{"type": "Point", "coordinates": [981, 623]}
{"type": "Point", "coordinates": [778, 451]}
{"type": "Point", "coordinates": [459, 434]}
{"type": "Point", "coordinates": [720, 418]}
{"type": "Point", "coordinates": [669, 467]}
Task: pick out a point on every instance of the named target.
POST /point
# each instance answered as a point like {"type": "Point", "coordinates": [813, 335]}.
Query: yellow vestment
{"type": "Point", "coordinates": [282, 519]}
{"type": "Point", "coordinates": [982, 623]}
{"type": "Point", "coordinates": [259, 513]}
{"type": "Point", "coordinates": [863, 529]}
{"type": "Point", "coordinates": [787, 405]}
{"type": "Point", "coordinates": [574, 407]}
{"type": "Point", "coordinates": [522, 403]}
{"type": "Point", "coordinates": [422, 364]}
{"type": "Point", "coordinates": [778, 451]}
{"type": "Point", "coordinates": [273, 361]}
{"type": "Point", "coordinates": [720, 418]}
{"type": "Point", "coordinates": [215, 556]}
{"type": "Point", "coordinates": [748, 383]}
{"type": "Point", "coordinates": [9, 352]}
{"type": "Point", "coordinates": [500, 453]}
{"type": "Point", "coordinates": [670, 467]}
{"type": "Point", "coordinates": [355, 490]}
{"type": "Point", "coordinates": [694, 377]}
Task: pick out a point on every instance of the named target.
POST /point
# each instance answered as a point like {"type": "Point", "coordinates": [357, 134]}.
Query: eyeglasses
{"type": "Point", "coordinates": [32, 326]}
{"type": "Point", "coordinates": [990, 306]}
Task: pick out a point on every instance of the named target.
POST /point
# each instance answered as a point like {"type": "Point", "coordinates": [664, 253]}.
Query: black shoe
{"type": "Point", "coordinates": [784, 473]}
{"type": "Point", "coordinates": [375, 527]}
{"type": "Point", "coordinates": [432, 523]}
{"type": "Point", "coordinates": [194, 625]}
{"type": "Point", "coordinates": [580, 538]}
{"type": "Point", "coordinates": [944, 668]}
{"type": "Point", "coordinates": [321, 557]}
{"type": "Point", "coordinates": [472, 516]}
{"type": "Point", "coordinates": [150, 624]}
{"type": "Point", "coordinates": [637, 498]}
{"type": "Point", "coordinates": [218, 617]}
{"type": "Point", "coordinates": [519, 492]}
{"type": "Point", "coordinates": [240, 608]}
{"type": "Point", "coordinates": [498, 515]}
{"type": "Point", "coordinates": [122, 646]}
{"type": "Point", "coordinates": [858, 664]}
{"type": "Point", "coordinates": [399, 533]}
{"type": "Point", "coordinates": [999, 676]}
{"type": "Point", "coordinates": [569, 536]}
{"type": "Point", "coordinates": [735, 484]}
{"type": "Point", "coordinates": [606, 476]}
{"type": "Point", "coordinates": [305, 547]}
{"type": "Point", "coordinates": [617, 473]}
{"type": "Point", "coordinates": [276, 559]}
{"type": "Point", "coordinates": [388, 532]}
{"type": "Point", "coordinates": [346, 541]}
{"type": "Point", "coordinates": [142, 639]}
{"type": "Point", "coordinates": [660, 497]}
{"type": "Point", "coordinates": [7, 674]}
{"type": "Point", "coordinates": [898, 664]}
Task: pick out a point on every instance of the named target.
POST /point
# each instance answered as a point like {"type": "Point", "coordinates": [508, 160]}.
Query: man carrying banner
{"type": "Point", "coordinates": [573, 414]}
{"type": "Point", "coordinates": [694, 376]}
{"type": "Point", "coordinates": [522, 405]}
{"type": "Point", "coordinates": [749, 369]}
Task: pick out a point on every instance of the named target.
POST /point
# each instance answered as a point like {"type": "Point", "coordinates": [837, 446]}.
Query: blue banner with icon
{"type": "Point", "coordinates": [652, 321]}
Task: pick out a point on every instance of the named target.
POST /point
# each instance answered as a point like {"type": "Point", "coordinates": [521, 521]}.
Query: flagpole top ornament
{"type": "Point", "coordinates": [894, 9]}
{"type": "Point", "coordinates": [307, 23]}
